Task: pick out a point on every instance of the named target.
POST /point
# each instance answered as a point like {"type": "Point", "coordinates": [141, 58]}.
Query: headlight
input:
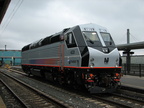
{"type": "Point", "coordinates": [92, 65]}
{"type": "Point", "coordinates": [117, 62]}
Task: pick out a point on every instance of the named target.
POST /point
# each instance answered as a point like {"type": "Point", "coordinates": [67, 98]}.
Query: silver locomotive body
{"type": "Point", "coordinates": [84, 55]}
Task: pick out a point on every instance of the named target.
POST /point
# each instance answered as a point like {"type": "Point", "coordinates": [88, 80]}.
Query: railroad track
{"type": "Point", "coordinates": [120, 100]}
{"type": "Point", "coordinates": [125, 97]}
{"type": "Point", "coordinates": [19, 71]}
{"type": "Point", "coordinates": [73, 98]}
{"type": "Point", "coordinates": [132, 89]}
{"type": "Point", "coordinates": [10, 99]}
{"type": "Point", "coordinates": [112, 100]}
{"type": "Point", "coordinates": [139, 96]}
{"type": "Point", "coordinates": [29, 96]}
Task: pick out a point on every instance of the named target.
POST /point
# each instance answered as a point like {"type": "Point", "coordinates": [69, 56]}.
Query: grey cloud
{"type": "Point", "coordinates": [36, 19]}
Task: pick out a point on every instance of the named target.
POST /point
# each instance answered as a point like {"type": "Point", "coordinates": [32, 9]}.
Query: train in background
{"type": "Point", "coordinates": [80, 56]}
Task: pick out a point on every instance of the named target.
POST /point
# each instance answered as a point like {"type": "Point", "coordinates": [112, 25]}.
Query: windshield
{"type": "Point", "coordinates": [107, 39]}
{"type": "Point", "coordinates": [91, 38]}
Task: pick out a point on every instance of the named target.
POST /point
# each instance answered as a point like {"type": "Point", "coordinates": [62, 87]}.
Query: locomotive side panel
{"type": "Point", "coordinates": [39, 61]}
{"type": "Point", "coordinates": [46, 55]}
{"type": "Point", "coordinates": [72, 57]}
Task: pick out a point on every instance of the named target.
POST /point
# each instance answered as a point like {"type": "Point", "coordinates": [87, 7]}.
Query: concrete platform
{"type": "Point", "coordinates": [2, 104]}
{"type": "Point", "coordinates": [133, 81]}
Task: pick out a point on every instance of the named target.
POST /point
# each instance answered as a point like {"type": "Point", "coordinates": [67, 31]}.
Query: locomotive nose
{"type": "Point", "coordinates": [100, 59]}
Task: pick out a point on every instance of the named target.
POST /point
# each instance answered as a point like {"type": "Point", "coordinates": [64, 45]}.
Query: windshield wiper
{"type": "Point", "coordinates": [92, 42]}
{"type": "Point", "coordinates": [87, 38]}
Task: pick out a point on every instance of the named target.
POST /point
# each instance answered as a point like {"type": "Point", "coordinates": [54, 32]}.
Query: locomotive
{"type": "Point", "coordinates": [80, 56]}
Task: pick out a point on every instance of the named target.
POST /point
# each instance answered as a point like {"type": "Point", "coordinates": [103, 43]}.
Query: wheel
{"type": "Point", "coordinates": [28, 73]}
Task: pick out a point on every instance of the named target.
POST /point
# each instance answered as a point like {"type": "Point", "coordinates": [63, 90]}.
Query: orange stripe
{"type": "Point", "coordinates": [90, 67]}
{"type": "Point", "coordinates": [74, 66]}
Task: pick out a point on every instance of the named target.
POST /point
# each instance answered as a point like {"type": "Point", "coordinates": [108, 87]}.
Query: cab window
{"type": "Point", "coordinates": [107, 39]}
{"type": "Point", "coordinates": [70, 41]}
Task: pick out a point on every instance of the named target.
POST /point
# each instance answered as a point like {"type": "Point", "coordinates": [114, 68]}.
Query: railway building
{"type": "Point", "coordinates": [11, 57]}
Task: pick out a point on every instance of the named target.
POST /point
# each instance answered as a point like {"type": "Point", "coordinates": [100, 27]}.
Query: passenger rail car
{"type": "Point", "coordinates": [83, 55]}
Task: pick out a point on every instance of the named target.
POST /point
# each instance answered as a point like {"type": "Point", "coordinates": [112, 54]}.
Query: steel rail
{"type": "Point", "coordinates": [54, 100]}
{"type": "Point", "coordinates": [15, 95]}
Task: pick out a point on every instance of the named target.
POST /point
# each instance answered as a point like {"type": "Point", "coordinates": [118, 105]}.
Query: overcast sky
{"type": "Point", "coordinates": [29, 20]}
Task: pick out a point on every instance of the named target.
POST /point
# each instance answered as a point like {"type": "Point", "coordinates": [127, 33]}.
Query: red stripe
{"type": "Point", "coordinates": [90, 67]}
{"type": "Point", "coordinates": [74, 66]}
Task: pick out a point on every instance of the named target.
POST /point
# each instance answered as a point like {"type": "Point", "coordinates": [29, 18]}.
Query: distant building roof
{"type": "Point", "coordinates": [3, 8]}
{"type": "Point", "coordinates": [9, 50]}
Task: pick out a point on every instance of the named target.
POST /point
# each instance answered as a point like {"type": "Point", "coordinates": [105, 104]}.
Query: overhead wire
{"type": "Point", "coordinates": [135, 39]}
{"type": "Point", "coordinates": [131, 37]}
{"type": "Point", "coordinates": [8, 20]}
{"type": "Point", "coordinates": [122, 40]}
{"type": "Point", "coordinates": [19, 3]}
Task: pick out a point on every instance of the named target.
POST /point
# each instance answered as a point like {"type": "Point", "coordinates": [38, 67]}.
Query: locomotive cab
{"type": "Point", "coordinates": [91, 53]}
{"type": "Point", "coordinates": [104, 60]}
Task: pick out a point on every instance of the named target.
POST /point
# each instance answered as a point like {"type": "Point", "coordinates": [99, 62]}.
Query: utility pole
{"type": "Point", "coordinates": [5, 47]}
{"type": "Point", "coordinates": [128, 36]}
{"type": "Point", "coordinates": [128, 59]}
